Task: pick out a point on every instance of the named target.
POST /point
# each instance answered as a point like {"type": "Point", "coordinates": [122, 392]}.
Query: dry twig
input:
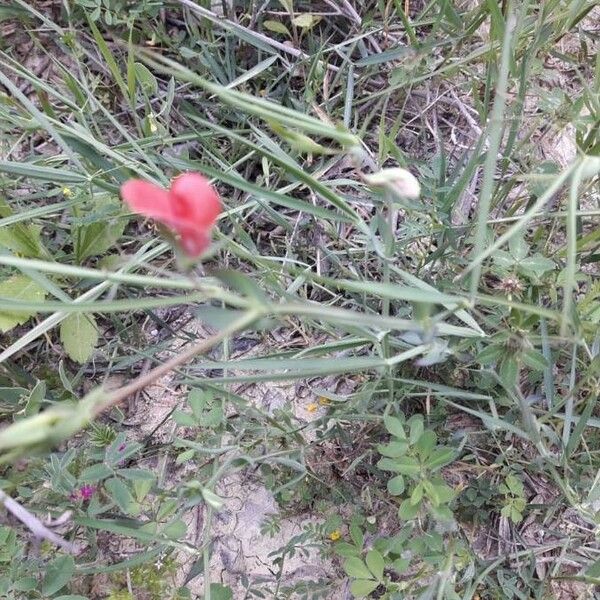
{"type": "Point", "coordinates": [34, 525]}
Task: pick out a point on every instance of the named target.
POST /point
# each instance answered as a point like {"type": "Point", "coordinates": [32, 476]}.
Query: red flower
{"type": "Point", "coordinates": [190, 208]}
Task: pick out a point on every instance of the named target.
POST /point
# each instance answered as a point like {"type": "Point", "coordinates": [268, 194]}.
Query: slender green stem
{"type": "Point", "coordinates": [571, 266]}
{"type": "Point", "coordinates": [390, 244]}
{"type": "Point", "coordinates": [495, 138]}
{"type": "Point", "coordinates": [206, 551]}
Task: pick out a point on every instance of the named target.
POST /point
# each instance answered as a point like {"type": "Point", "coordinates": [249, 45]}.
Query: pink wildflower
{"type": "Point", "coordinates": [189, 208]}
{"type": "Point", "coordinates": [86, 492]}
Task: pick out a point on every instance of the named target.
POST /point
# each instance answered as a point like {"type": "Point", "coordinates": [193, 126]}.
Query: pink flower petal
{"type": "Point", "coordinates": [148, 199]}
{"type": "Point", "coordinates": [195, 200]}
{"type": "Point", "coordinates": [190, 208]}
{"type": "Point", "coordinates": [194, 243]}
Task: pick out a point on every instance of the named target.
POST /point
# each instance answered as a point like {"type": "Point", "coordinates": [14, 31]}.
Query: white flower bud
{"type": "Point", "coordinates": [397, 180]}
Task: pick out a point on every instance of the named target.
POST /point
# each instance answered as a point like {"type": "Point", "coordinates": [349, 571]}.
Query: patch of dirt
{"type": "Point", "coordinates": [242, 556]}
{"type": "Point", "coordinates": [570, 590]}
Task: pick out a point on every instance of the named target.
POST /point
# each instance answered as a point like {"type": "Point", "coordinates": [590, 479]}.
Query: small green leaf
{"type": "Point", "coordinates": [166, 509]}
{"type": "Point", "coordinates": [141, 487]}
{"type": "Point", "coordinates": [401, 565]}
{"type": "Point", "coordinates": [537, 265]}
{"type": "Point", "coordinates": [95, 473]}
{"type": "Point", "coordinates": [439, 493]}
{"type": "Point", "coordinates": [277, 27]}
{"type": "Point", "coordinates": [212, 499]}
{"type": "Point", "coordinates": [593, 570]}
{"type": "Point", "coordinates": [440, 457]}
{"type": "Point", "coordinates": [503, 259]}
{"type": "Point", "coordinates": [408, 511]}
{"type": "Point", "coordinates": [515, 485]}
{"type": "Point", "coordinates": [79, 336]}
{"type": "Point", "coordinates": [120, 450]}
{"type": "Point", "coordinates": [518, 247]}
{"type": "Point", "coordinates": [212, 418]}
{"type": "Point", "coordinates": [175, 530]}
{"type": "Point", "coordinates": [243, 284]}
{"type": "Point", "coordinates": [417, 494]}
{"type": "Point", "coordinates": [21, 238]}
{"type": "Point", "coordinates": [375, 563]}
{"type": "Point", "coordinates": [345, 549]}
{"type": "Point", "coordinates": [36, 397]}
{"type": "Point", "coordinates": [305, 20]}
{"type": "Point", "coordinates": [26, 584]}
{"type": "Point", "coordinates": [58, 574]}
{"type": "Point", "coordinates": [15, 288]}
{"type": "Point", "coordinates": [509, 370]}
{"type": "Point", "coordinates": [299, 141]}
{"type": "Point", "coordinates": [515, 515]}
{"type": "Point", "coordinates": [145, 78]}
{"type": "Point", "coordinates": [120, 493]}
{"type": "Point", "coordinates": [218, 591]}
{"type": "Point", "coordinates": [357, 535]}
{"type": "Point", "coordinates": [405, 465]}
{"type": "Point", "coordinates": [97, 238]}
{"type": "Point", "coordinates": [184, 419]}
{"type": "Point", "coordinates": [491, 354]}
{"type": "Point", "coordinates": [363, 587]}
{"type": "Point", "coordinates": [534, 359]}
{"type": "Point", "coordinates": [396, 485]}
{"type": "Point", "coordinates": [445, 492]}
{"type": "Point", "coordinates": [395, 427]}
{"type": "Point", "coordinates": [137, 474]}
{"type": "Point", "coordinates": [393, 449]}
{"type": "Point", "coordinates": [217, 318]}
{"type": "Point", "coordinates": [441, 513]}
{"type": "Point", "coordinates": [357, 568]}
{"type": "Point", "coordinates": [542, 177]}
{"type": "Point", "coordinates": [416, 428]}
{"type": "Point", "coordinates": [198, 400]}
{"type": "Point", "coordinates": [387, 464]}
{"type": "Point", "coordinates": [426, 443]}
{"type": "Point", "coordinates": [185, 456]}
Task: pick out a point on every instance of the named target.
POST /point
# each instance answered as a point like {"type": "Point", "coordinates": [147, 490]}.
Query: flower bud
{"type": "Point", "coordinates": [396, 180]}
